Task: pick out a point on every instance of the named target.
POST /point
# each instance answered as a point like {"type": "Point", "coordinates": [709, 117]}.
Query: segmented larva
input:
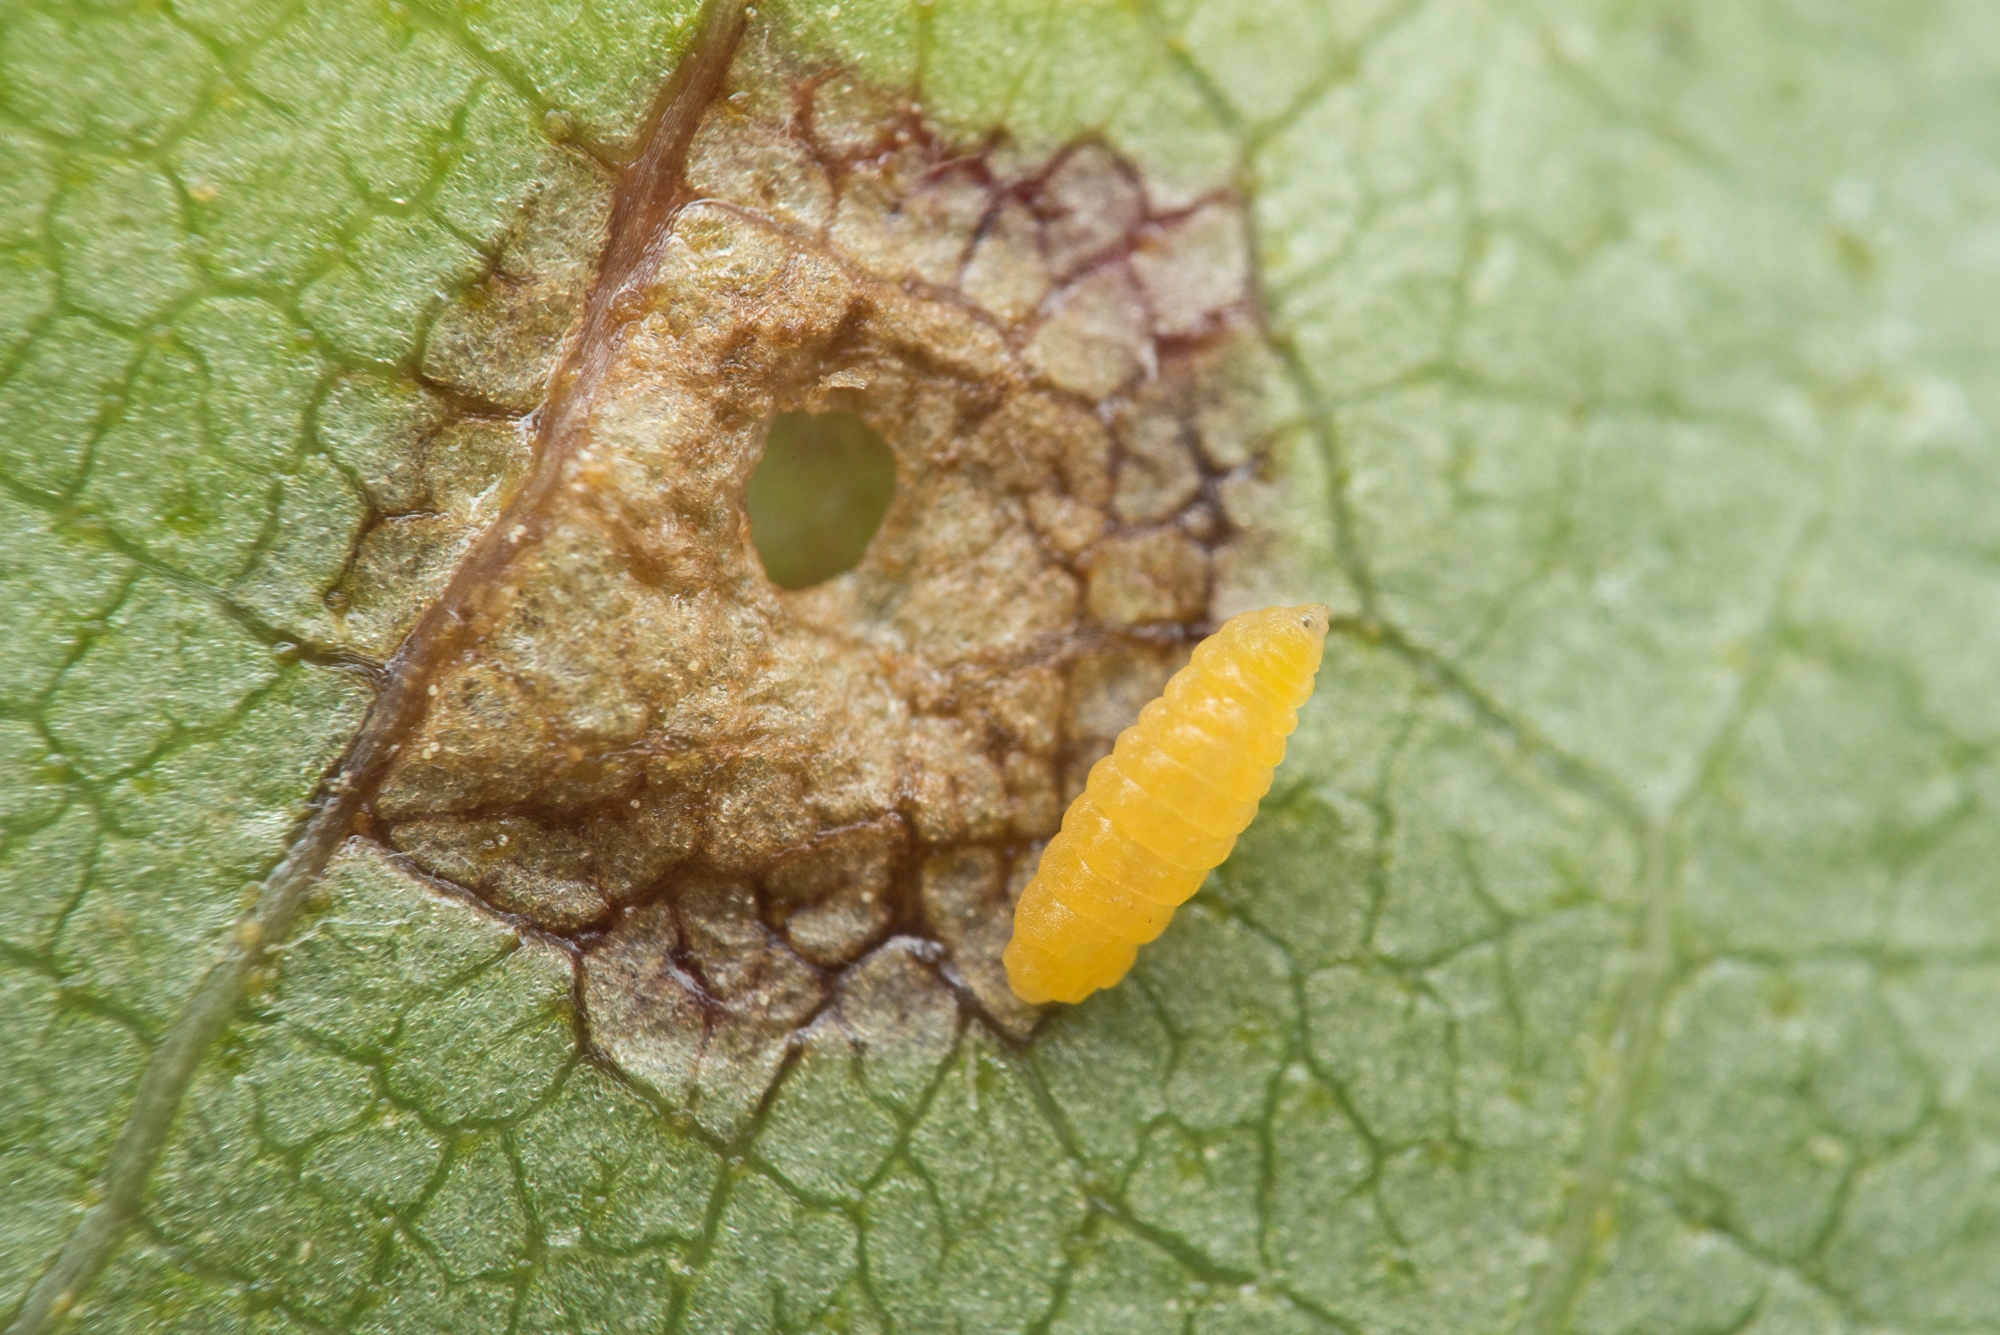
{"type": "Point", "coordinates": [1165, 807]}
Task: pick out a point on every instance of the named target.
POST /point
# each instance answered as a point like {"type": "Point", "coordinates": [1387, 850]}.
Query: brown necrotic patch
{"type": "Point", "coordinates": [736, 798]}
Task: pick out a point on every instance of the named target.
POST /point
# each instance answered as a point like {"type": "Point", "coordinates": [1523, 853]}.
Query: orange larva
{"type": "Point", "coordinates": [1165, 807]}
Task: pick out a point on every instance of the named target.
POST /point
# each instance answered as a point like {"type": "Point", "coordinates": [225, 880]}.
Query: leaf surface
{"type": "Point", "coordinates": [1615, 954]}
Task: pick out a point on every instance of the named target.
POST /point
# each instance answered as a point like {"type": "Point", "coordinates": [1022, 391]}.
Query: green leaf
{"type": "Point", "coordinates": [1616, 953]}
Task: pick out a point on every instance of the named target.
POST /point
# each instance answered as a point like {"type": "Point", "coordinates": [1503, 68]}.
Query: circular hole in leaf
{"type": "Point", "coordinates": [818, 495]}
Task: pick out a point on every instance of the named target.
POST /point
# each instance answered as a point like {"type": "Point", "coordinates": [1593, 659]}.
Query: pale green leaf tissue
{"type": "Point", "coordinates": [1618, 954]}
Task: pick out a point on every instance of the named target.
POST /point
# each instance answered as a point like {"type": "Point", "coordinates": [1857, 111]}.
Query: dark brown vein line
{"type": "Point", "coordinates": [648, 192]}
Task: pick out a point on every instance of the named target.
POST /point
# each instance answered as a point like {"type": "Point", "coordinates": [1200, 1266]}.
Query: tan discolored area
{"type": "Point", "coordinates": [746, 807]}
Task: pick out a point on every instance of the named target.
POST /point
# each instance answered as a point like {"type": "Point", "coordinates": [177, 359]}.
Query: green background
{"type": "Point", "coordinates": [1619, 954]}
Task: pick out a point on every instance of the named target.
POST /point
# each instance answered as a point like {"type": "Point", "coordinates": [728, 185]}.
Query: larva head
{"type": "Point", "coordinates": [1283, 645]}
{"type": "Point", "coordinates": [1312, 619]}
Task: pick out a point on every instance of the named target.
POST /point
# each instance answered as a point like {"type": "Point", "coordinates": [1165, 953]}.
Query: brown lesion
{"type": "Point", "coordinates": [732, 797]}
